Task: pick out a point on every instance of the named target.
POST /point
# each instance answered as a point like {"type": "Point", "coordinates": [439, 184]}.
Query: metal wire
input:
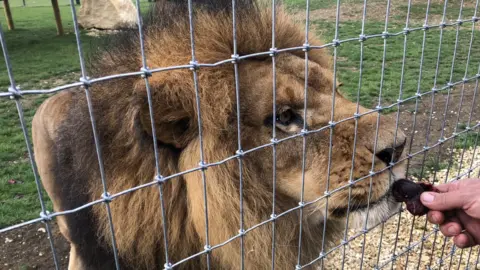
{"type": "Point", "coordinates": [239, 134]}
{"type": "Point", "coordinates": [304, 138]}
{"type": "Point", "coordinates": [200, 130]}
{"type": "Point", "coordinates": [16, 97]}
{"type": "Point", "coordinates": [273, 53]}
{"type": "Point", "coordinates": [160, 180]}
{"type": "Point", "coordinates": [158, 176]}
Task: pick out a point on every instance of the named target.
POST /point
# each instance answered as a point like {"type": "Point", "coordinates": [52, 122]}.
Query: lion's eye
{"type": "Point", "coordinates": [286, 120]}
{"type": "Point", "coordinates": [286, 117]}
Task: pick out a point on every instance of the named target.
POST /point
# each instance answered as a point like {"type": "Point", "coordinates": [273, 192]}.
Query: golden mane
{"type": "Point", "coordinates": [123, 125]}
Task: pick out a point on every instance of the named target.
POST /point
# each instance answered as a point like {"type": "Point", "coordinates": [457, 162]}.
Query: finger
{"type": "Point", "coordinates": [451, 227]}
{"type": "Point", "coordinates": [455, 185]}
{"type": "Point", "coordinates": [446, 201]}
{"type": "Point", "coordinates": [464, 240]}
{"type": "Point", "coordinates": [470, 224]}
{"type": "Point", "coordinates": [435, 217]}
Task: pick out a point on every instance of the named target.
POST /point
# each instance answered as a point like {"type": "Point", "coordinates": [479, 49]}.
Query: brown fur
{"type": "Point", "coordinates": [69, 168]}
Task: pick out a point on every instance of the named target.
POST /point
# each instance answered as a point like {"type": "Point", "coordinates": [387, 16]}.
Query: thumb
{"type": "Point", "coordinates": [444, 201]}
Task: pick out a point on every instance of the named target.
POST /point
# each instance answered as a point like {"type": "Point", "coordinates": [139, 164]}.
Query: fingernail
{"type": "Point", "coordinates": [451, 230]}
{"type": "Point", "coordinates": [427, 197]}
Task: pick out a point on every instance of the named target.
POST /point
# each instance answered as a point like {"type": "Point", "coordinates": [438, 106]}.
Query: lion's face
{"type": "Point", "coordinates": [257, 110]}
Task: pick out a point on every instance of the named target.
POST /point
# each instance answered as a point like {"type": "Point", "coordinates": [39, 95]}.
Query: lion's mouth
{"type": "Point", "coordinates": [342, 211]}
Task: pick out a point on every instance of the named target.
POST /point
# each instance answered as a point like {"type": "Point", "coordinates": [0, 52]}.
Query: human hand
{"type": "Point", "coordinates": [456, 208]}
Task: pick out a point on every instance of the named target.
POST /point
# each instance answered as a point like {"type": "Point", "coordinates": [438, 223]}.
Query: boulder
{"type": "Point", "coordinates": [107, 14]}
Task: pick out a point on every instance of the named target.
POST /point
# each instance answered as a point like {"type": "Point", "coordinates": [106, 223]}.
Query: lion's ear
{"type": "Point", "coordinates": [172, 121]}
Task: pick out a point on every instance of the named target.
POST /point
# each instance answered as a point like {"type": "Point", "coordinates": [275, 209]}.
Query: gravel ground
{"type": "Point", "coordinates": [390, 238]}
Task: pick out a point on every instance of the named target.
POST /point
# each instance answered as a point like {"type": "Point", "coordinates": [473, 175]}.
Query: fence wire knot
{"type": "Point", "coordinates": [235, 58]}
{"type": "Point", "coordinates": [146, 72]}
{"type": "Point", "coordinates": [336, 43]}
{"type": "Point", "coordinates": [203, 166]}
{"type": "Point", "coordinates": [159, 179]}
{"type": "Point", "coordinates": [426, 27]}
{"type": "Point", "coordinates": [106, 197]}
{"type": "Point", "coordinates": [385, 35]}
{"type": "Point", "coordinates": [306, 47]}
{"type": "Point", "coordinates": [273, 52]}
{"type": "Point", "coordinates": [86, 82]}
{"type": "Point", "coordinates": [240, 153]}
{"type": "Point", "coordinates": [362, 38]}
{"type": "Point", "coordinates": [45, 216]}
{"type": "Point", "coordinates": [194, 65]}
{"type": "Point", "coordinates": [15, 92]}
{"type": "Point", "coordinates": [167, 266]}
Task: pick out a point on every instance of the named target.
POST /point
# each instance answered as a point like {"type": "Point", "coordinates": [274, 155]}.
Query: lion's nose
{"type": "Point", "coordinates": [391, 154]}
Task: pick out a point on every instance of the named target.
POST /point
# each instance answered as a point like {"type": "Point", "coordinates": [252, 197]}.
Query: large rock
{"type": "Point", "coordinates": [107, 14]}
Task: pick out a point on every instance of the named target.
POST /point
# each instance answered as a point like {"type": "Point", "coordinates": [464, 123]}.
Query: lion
{"type": "Point", "coordinates": [265, 187]}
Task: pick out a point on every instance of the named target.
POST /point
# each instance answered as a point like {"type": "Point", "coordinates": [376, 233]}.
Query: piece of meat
{"type": "Point", "coordinates": [409, 192]}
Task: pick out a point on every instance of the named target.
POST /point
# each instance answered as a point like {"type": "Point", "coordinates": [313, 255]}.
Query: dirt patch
{"type": "Point", "coordinates": [458, 110]}
{"type": "Point", "coordinates": [29, 248]}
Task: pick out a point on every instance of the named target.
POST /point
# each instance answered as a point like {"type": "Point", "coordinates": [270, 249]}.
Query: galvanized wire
{"type": "Point", "coordinates": [159, 180]}
{"type": "Point", "coordinates": [14, 90]}
{"type": "Point", "coordinates": [239, 134]}
{"type": "Point", "coordinates": [304, 129]}
{"type": "Point", "coordinates": [194, 69]}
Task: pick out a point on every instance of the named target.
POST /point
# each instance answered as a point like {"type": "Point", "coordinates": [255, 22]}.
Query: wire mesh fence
{"type": "Point", "coordinates": [441, 135]}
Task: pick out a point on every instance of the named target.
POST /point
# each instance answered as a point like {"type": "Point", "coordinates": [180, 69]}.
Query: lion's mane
{"type": "Point", "coordinates": [122, 123]}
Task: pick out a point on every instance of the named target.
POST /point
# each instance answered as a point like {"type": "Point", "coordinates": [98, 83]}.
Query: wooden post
{"type": "Point", "coordinates": [8, 15]}
{"type": "Point", "coordinates": [58, 19]}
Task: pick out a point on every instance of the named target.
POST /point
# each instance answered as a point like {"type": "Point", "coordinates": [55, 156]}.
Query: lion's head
{"type": "Point", "coordinates": [125, 132]}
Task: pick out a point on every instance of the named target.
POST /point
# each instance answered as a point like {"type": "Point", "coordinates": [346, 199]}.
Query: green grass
{"type": "Point", "coordinates": [38, 57]}
{"type": "Point", "coordinates": [418, 10]}
{"type": "Point", "coordinates": [468, 139]}
{"type": "Point", "coordinates": [18, 201]}
{"type": "Point", "coordinates": [431, 165]}
{"type": "Point", "coordinates": [35, 50]}
{"type": "Point", "coordinates": [314, 4]}
{"type": "Point", "coordinates": [348, 60]}
{"type": "Point", "coordinates": [36, 54]}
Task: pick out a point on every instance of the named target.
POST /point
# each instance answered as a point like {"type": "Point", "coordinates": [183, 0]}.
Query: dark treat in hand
{"type": "Point", "coordinates": [409, 192]}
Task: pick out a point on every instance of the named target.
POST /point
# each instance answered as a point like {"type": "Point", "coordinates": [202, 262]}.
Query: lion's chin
{"type": "Point", "coordinates": [379, 212]}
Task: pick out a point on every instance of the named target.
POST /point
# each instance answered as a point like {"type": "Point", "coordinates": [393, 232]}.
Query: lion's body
{"type": "Point", "coordinates": [67, 158]}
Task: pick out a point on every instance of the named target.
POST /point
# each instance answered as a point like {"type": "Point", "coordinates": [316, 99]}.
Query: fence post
{"type": "Point", "coordinates": [8, 15]}
{"type": "Point", "coordinates": [58, 18]}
